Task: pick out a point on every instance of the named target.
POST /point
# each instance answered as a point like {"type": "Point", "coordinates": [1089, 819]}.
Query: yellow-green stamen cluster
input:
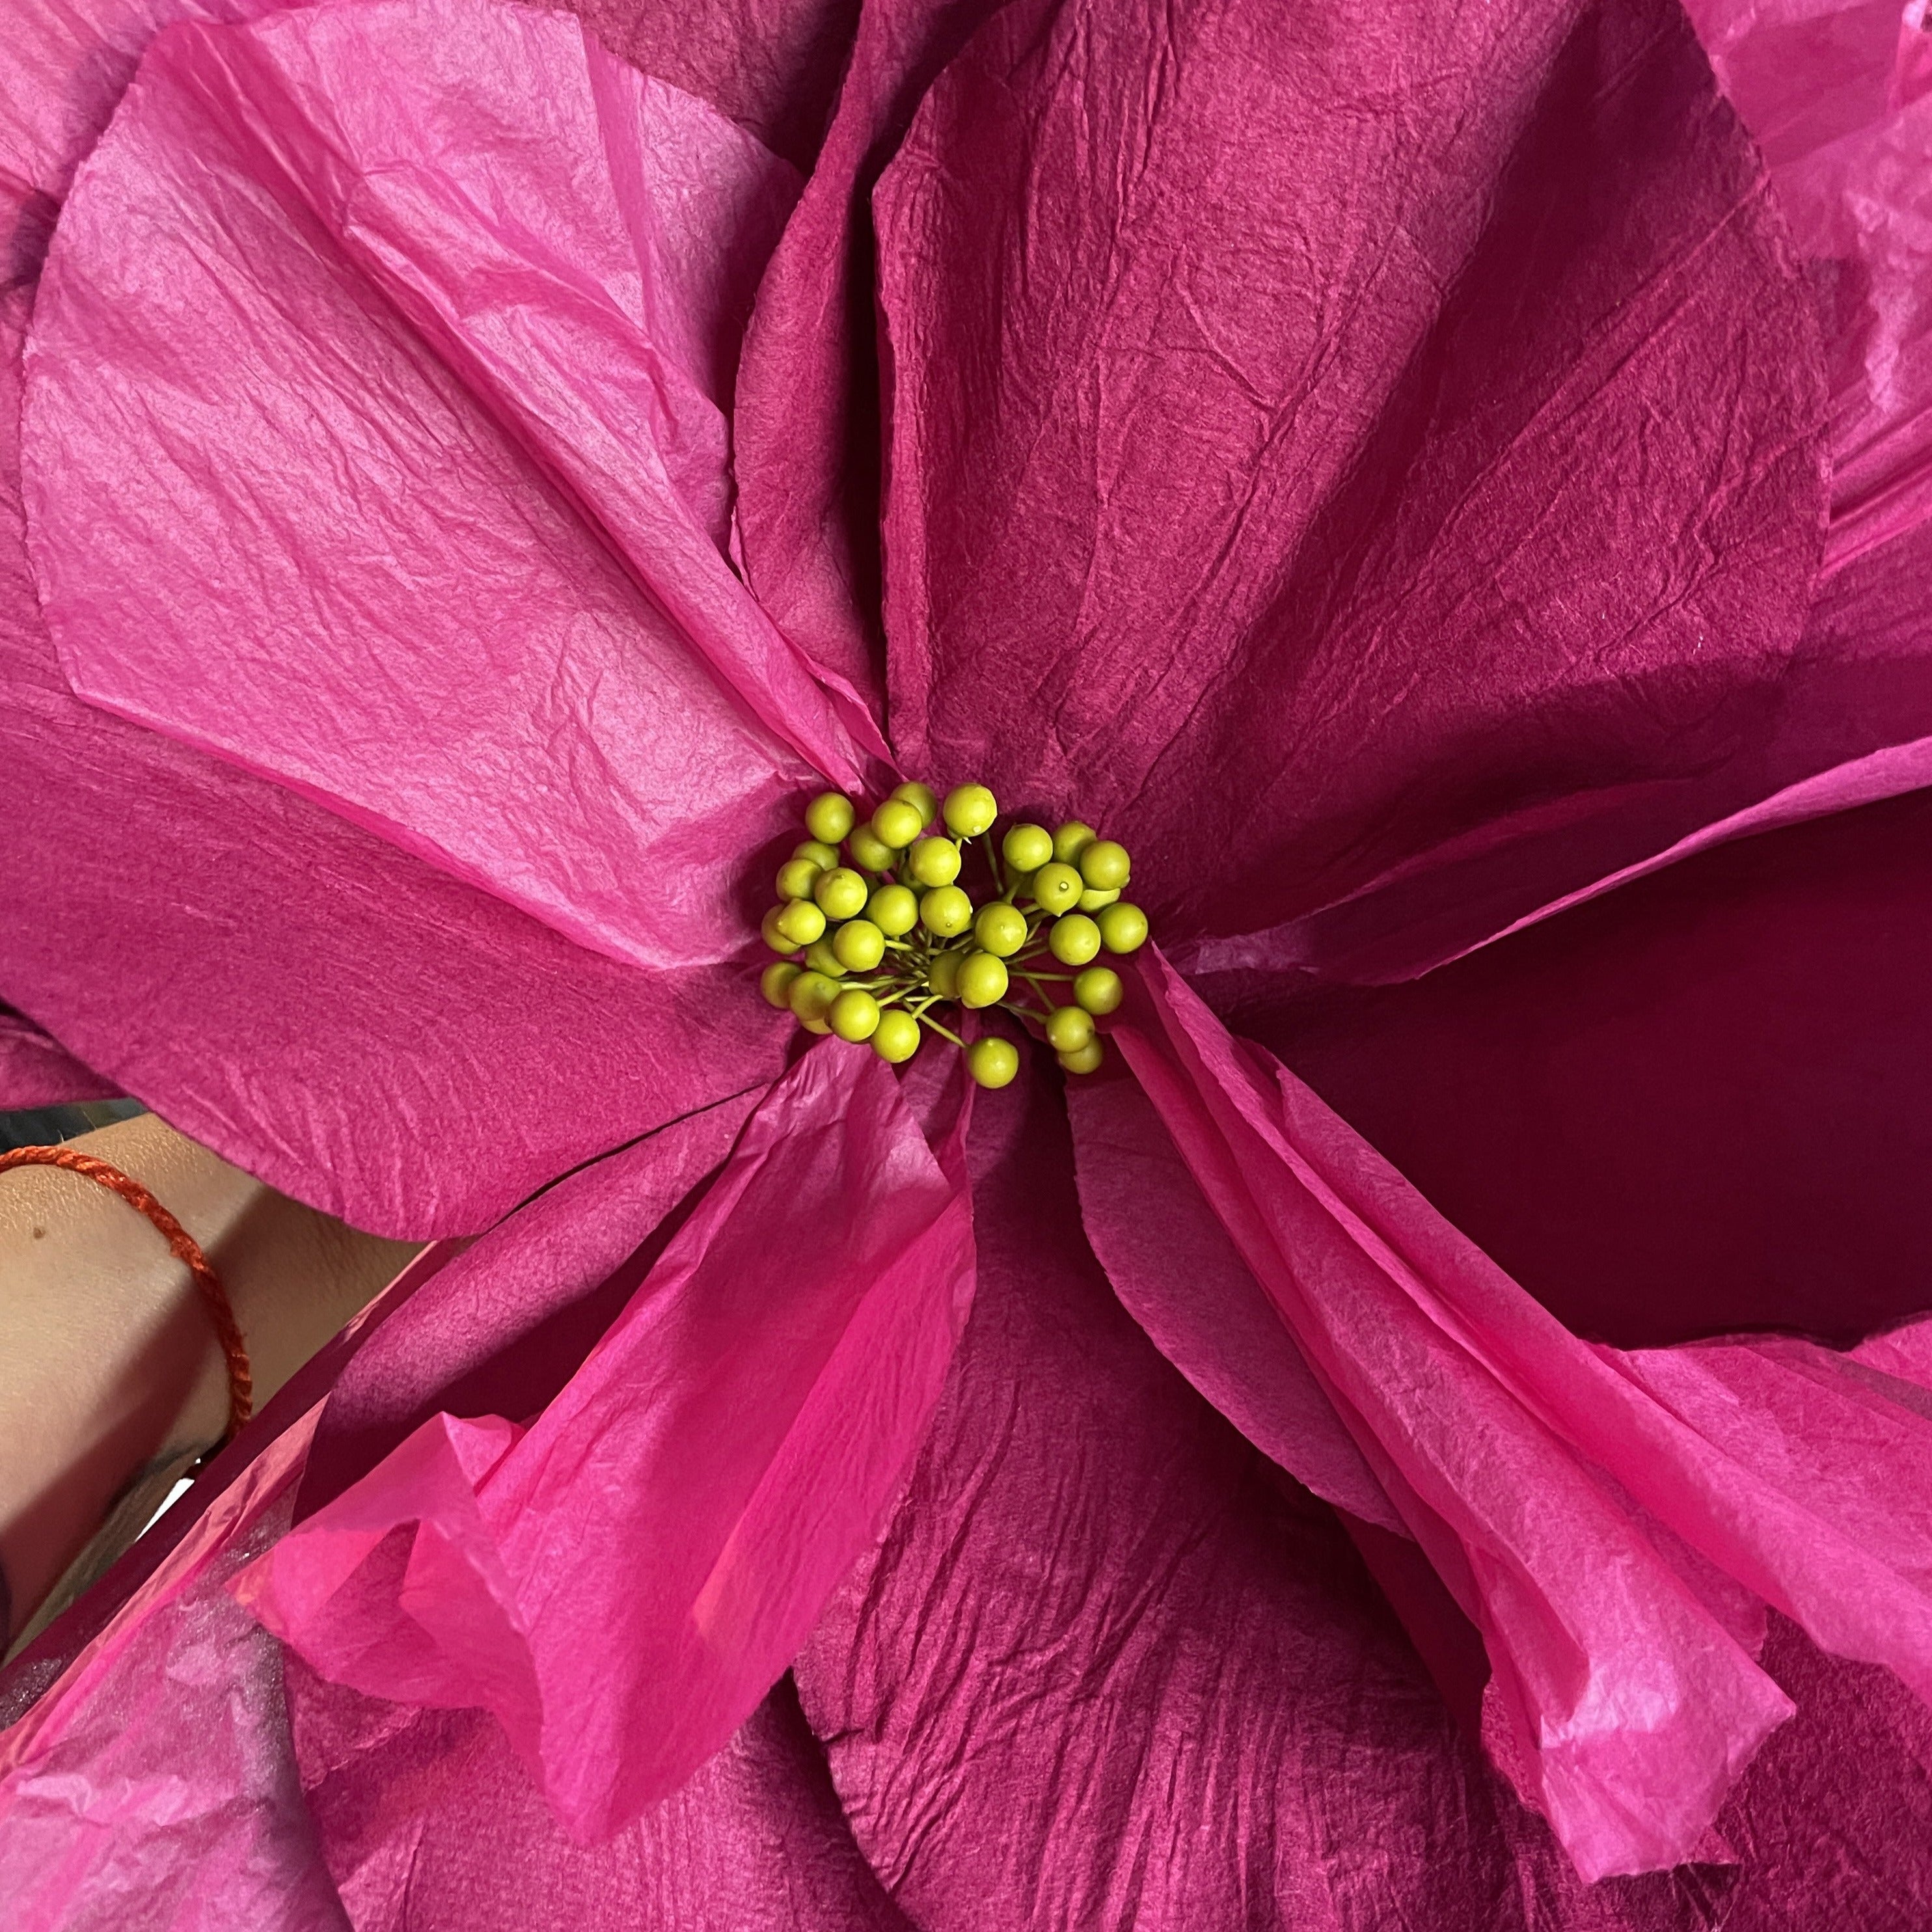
{"type": "Point", "coordinates": [877, 924]}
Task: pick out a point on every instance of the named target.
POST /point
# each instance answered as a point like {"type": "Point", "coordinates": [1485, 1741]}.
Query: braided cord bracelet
{"type": "Point", "coordinates": [185, 1249]}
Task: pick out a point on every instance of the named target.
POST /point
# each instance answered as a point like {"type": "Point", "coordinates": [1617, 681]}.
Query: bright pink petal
{"type": "Point", "coordinates": [1693, 1106]}
{"type": "Point", "coordinates": [1608, 1521]}
{"type": "Point", "coordinates": [36, 1071]}
{"type": "Point", "coordinates": [622, 1581]}
{"type": "Point", "coordinates": [1413, 425]}
{"type": "Point", "coordinates": [1105, 1669]}
{"type": "Point", "coordinates": [409, 423]}
{"type": "Point", "coordinates": [808, 424]}
{"type": "Point", "coordinates": [1839, 93]}
{"type": "Point", "coordinates": [185, 1773]}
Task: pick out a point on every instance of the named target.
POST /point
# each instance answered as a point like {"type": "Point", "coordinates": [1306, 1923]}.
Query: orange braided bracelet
{"type": "Point", "coordinates": [186, 1249]}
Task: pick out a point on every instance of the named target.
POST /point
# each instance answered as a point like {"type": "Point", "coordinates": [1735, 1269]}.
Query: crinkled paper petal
{"type": "Point", "coordinates": [1839, 94]}
{"type": "Point", "coordinates": [808, 422]}
{"type": "Point", "coordinates": [622, 1580]}
{"type": "Point", "coordinates": [1612, 1522]}
{"type": "Point", "coordinates": [375, 440]}
{"type": "Point", "coordinates": [1106, 1669]}
{"type": "Point", "coordinates": [1329, 449]}
{"type": "Point", "coordinates": [186, 1774]}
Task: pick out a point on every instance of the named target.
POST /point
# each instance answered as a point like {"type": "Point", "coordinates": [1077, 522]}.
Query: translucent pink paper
{"type": "Point", "coordinates": [1613, 1523]}
{"type": "Point", "coordinates": [621, 1581]}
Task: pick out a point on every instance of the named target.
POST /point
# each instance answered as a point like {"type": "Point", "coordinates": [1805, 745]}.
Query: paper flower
{"type": "Point", "coordinates": [1373, 466]}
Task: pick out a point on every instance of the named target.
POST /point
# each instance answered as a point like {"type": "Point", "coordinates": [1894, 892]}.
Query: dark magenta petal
{"type": "Point", "coordinates": [807, 429]}
{"type": "Point", "coordinates": [1428, 479]}
{"type": "Point", "coordinates": [1693, 1106]}
{"type": "Point", "coordinates": [621, 1581]}
{"type": "Point", "coordinates": [1612, 1522]}
{"type": "Point", "coordinates": [427, 1819]}
{"type": "Point", "coordinates": [36, 1071]}
{"type": "Point", "coordinates": [375, 439]}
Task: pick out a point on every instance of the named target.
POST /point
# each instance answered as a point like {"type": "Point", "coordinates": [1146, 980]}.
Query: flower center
{"type": "Point", "coordinates": [885, 925]}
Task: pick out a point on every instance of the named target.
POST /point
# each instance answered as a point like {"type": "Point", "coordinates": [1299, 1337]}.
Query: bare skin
{"type": "Point", "coordinates": [111, 1381]}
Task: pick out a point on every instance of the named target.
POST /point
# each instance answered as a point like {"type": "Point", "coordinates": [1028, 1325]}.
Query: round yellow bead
{"type": "Point", "coordinates": [1099, 989]}
{"type": "Point", "coordinates": [1027, 848]}
{"type": "Point", "coordinates": [1001, 929]}
{"type": "Point", "coordinates": [934, 861]}
{"type": "Point", "coordinates": [897, 823]}
{"type": "Point", "coordinates": [801, 922]}
{"type": "Point", "coordinates": [1086, 1059]}
{"type": "Point", "coordinates": [1072, 839]}
{"type": "Point", "coordinates": [1124, 927]}
{"type": "Point", "coordinates": [855, 1015]}
{"type": "Point", "coordinates": [768, 930]}
{"type": "Point", "coordinates": [894, 909]}
{"type": "Point", "coordinates": [859, 945]}
{"type": "Point", "coordinates": [811, 996]}
{"type": "Point", "coordinates": [969, 810]}
{"type": "Point", "coordinates": [1105, 865]}
{"type": "Point", "coordinates": [841, 893]}
{"type": "Point", "coordinates": [1073, 939]}
{"type": "Point", "coordinates": [1069, 1029]}
{"type": "Point", "coordinates": [823, 855]}
{"type": "Point", "coordinates": [942, 975]}
{"type": "Point", "coordinates": [946, 911]}
{"type": "Point", "coordinates": [920, 798]}
{"type": "Point", "coordinates": [797, 878]}
{"type": "Point", "coordinates": [895, 1039]}
{"type": "Point", "coordinates": [829, 817]}
{"type": "Point", "coordinates": [775, 982]}
{"type": "Point", "coordinates": [982, 980]}
{"type": "Point", "coordinates": [1091, 901]}
{"type": "Point", "coordinates": [820, 957]}
{"type": "Point", "coordinates": [993, 1061]}
{"type": "Point", "coordinates": [870, 851]}
{"type": "Point", "coordinates": [1057, 887]}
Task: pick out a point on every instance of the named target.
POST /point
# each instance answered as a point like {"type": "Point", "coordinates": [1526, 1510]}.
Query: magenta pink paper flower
{"type": "Point", "coordinates": [1392, 469]}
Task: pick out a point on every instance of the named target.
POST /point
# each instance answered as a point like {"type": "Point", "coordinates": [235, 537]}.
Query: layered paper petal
{"type": "Point", "coordinates": [345, 1021]}
{"type": "Point", "coordinates": [1431, 480]}
{"type": "Point", "coordinates": [1836, 92]}
{"type": "Point", "coordinates": [621, 1582]}
{"type": "Point", "coordinates": [1696, 1106]}
{"type": "Point", "coordinates": [186, 1774]}
{"type": "Point", "coordinates": [375, 442]}
{"type": "Point", "coordinates": [1104, 1669]}
{"type": "Point", "coordinates": [1610, 1522]}
{"type": "Point", "coordinates": [807, 423]}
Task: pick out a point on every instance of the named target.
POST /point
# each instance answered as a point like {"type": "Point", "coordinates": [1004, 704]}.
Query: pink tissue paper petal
{"type": "Point", "coordinates": [1839, 93]}
{"type": "Point", "coordinates": [807, 425]}
{"type": "Point", "coordinates": [323, 345]}
{"type": "Point", "coordinates": [1432, 479]}
{"type": "Point", "coordinates": [155, 1787]}
{"type": "Point", "coordinates": [623, 1579]}
{"type": "Point", "coordinates": [1606, 1521]}
{"type": "Point", "coordinates": [1106, 1669]}
{"type": "Point", "coordinates": [351, 1025]}
{"type": "Point", "coordinates": [36, 1071]}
